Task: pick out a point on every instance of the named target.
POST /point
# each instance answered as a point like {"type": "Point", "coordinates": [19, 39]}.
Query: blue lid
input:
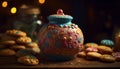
{"type": "Point", "coordinates": [60, 18]}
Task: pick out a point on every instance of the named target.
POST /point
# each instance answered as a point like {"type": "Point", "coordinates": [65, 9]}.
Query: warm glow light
{"type": "Point", "coordinates": [13, 10]}
{"type": "Point", "coordinates": [4, 4]}
{"type": "Point", "coordinates": [41, 1]}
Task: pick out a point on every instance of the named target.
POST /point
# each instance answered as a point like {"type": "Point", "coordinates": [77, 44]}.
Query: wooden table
{"type": "Point", "coordinates": [11, 62]}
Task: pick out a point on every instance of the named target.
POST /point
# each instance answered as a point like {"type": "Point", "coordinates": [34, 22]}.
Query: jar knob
{"type": "Point", "coordinates": [60, 12]}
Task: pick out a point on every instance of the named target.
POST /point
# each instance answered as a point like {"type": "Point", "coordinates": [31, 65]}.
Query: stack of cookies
{"type": "Point", "coordinates": [16, 42]}
{"type": "Point", "coordinates": [100, 52]}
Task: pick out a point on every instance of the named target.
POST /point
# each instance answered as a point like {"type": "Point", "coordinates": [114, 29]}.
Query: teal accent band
{"type": "Point", "coordinates": [60, 16]}
{"type": "Point", "coordinates": [61, 24]}
{"type": "Point", "coordinates": [61, 20]}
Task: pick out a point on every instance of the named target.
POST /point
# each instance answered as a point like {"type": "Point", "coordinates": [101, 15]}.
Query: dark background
{"type": "Point", "coordinates": [98, 19]}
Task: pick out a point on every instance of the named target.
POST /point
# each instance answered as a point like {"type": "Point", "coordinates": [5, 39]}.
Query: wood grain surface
{"type": "Point", "coordinates": [11, 62]}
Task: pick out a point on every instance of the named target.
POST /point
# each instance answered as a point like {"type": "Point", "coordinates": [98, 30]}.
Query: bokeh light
{"type": "Point", "coordinates": [4, 4]}
{"type": "Point", "coordinates": [41, 1]}
{"type": "Point", "coordinates": [13, 10]}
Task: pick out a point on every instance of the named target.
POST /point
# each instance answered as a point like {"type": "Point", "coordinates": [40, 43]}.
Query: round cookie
{"type": "Point", "coordinates": [17, 47]}
{"type": "Point", "coordinates": [94, 55]}
{"type": "Point", "coordinates": [35, 50]}
{"type": "Point", "coordinates": [81, 54]}
{"type": "Point", "coordinates": [107, 58]}
{"type": "Point", "coordinates": [8, 42]}
{"type": "Point", "coordinates": [4, 37]}
{"type": "Point", "coordinates": [31, 45]}
{"type": "Point", "coordinates": [28, 60]}
{"type": "Point", "coordinates": [23, 52]}
{"type": "Point", "coordinates": [116, 55]}
{"type": "Point", "coordinates": [104, 49]}
{"type": "Point", "coordinates": [107, 42]}
{"type": "Point", "coordinates": [7, 52]}
{"type": "Point", "coordinates": [2, 46]}
{"type": "Point", "coordinates": [95, 45]}
{"type": "Point", "coordinates": [81, 48]}
{"type": "Point", "coordinates": [24, 40]}
{"type": "Point", "coordinates": [91, 49]}
{"type": "Point", "coordinates": [16, 33]}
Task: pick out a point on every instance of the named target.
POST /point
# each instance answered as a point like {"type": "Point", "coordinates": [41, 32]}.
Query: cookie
{"type": "Point", "coordinates": [116, 55]}
{"type": "Point", "coordinates": [8, 42]}
{"type": "Point", "coordinates": [81, 54]}
{"type": "Point", "coordinates": [28, 60]}
{"type": "Point", "coordinates": [32, 45]}
{"type": "Point", "coordinates": [17, 47]}
{"type": "Point", "coordinates": [91, 49]}
{"type": "Point", "coordinates": [4, 37]}
{"type": "Point", "coordinates": [107, 42]}
{"type": "Point", "coordinates": [107, 58]}
{"type": "Point", "coordinates": [23, 40]}
{"type": "Point", "coordinates": [94, 55]}
{"type": "Point", "coordinates": [2, 46]}
{"type": "Point", "coordinates": [23, 52]}
{"type": "Point", "coordinates": [16, 33]}
{"type": "Point", "coordinates": [104, 49]}
{"type": "Point", "coordinates": [35, 50]}
{"type": "Point", "coordinates": [7, 52]}
{"type": "Point", "coordinates": [95, 45]}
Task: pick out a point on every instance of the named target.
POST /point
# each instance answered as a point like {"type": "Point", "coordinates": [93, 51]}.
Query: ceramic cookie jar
{"type": "Point", "coordinates": [60, 39]}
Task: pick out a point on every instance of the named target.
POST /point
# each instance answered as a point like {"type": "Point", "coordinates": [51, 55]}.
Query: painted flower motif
{"type": "Point", "coordinates": [79, 40]}
{"type": "Point", "coordinates": [46, 44]}
{"type": "Point", "coordinates": [55, 31]}
{"type": "Point", "coordinates": [76, 37]}
{"type": "Point", "coordinates": [68, 26]}
{"type": "Point", "coordinates": [70, 38]}
{"type": "Point", "coordinates": [69, 33]}
{"type": "Point", "coordinates": [61, 32]}
{"type": "Point", "coordinates": [74, 44]}
{"type": "Point", "coordinates": [48, 35]}
{"type": "Point", "coordinates": [72, 27]}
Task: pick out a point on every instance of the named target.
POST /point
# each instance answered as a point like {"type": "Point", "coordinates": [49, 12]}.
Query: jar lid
{"type": "Point", "coordinates": [33, 11]}
{"type": "Point", "coordinates": [24, 9]}
{"type": "Point", "coordinates": [60, 17]}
